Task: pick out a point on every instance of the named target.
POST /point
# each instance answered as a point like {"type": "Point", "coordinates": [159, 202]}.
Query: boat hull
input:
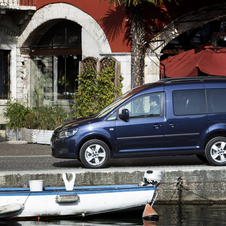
{"type": "Point", "coordinates": [81, 201]}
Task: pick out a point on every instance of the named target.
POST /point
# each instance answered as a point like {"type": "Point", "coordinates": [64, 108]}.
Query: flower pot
{"type": "Point", "coordinates": [30, 135]}
{"type": "Point", "coordinates": [11, 134]}
{"type": "Point", "coordinates": [37, 136]}
{"type": "Point", "coordinates": [27, 135]}
{"type": "Point", "coordinates": [44, 136]}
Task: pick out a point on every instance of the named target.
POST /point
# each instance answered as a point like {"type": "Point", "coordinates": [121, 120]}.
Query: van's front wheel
{"type": "Point", "coordinates": [94, 154]}
{"type": "Point", "coordinates": [215, 151]}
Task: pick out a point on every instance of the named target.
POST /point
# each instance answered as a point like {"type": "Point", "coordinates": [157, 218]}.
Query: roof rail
{"type": "Point", "coordinates": [195, 78]}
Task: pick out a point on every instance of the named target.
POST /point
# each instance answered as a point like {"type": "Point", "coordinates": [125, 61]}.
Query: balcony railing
{"type": "Point", "coordinates": [14, 3]}
{"type": "Point", "coordinates": [28, 2]}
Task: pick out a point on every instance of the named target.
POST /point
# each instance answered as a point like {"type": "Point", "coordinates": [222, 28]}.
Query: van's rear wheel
{"type": "Point", "coordinates": [215, 151]}
{"type": "Point", "coordinates": [94, 154]}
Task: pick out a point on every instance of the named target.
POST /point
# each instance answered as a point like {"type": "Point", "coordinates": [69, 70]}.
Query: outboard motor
{"type": "Point", "coordinates": [152, 177]}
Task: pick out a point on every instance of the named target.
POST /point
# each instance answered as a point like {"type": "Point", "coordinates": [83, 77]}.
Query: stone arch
{"type": "Point", "coordinates": [53, 13]}
{"type": "Point", "coordinates": [185, 23]}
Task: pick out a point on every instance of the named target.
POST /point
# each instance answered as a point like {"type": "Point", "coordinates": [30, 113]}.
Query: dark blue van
{"type": "Point", "coordinates": [184, 116]}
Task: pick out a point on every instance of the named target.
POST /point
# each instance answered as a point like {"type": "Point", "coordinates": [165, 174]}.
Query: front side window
{"type": "Point", "coordinates": [216, 100]}
{"type": "Point", "coordinates": [144, 106]}
{"type": "Point", "coordinates": [189, 102]}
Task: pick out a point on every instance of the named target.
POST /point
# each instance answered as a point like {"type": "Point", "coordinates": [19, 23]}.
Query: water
{"type": "Point", "coordinates": [173, 215]}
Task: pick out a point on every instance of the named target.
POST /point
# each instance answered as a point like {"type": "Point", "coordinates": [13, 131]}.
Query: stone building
{"type": "Point", "coordinates": [42, 44]}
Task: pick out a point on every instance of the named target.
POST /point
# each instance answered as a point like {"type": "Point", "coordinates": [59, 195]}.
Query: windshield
{"type": "Point", "coordinates": [113, 104]}
{"type": "Point", "coordinates": [117, 102]}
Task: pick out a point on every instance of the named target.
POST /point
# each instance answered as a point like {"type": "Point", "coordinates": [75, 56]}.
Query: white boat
{"type": "Point", "coordinates": [76, 200]}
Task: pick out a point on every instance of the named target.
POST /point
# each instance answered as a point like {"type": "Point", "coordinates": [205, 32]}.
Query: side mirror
{"type": "Point", "coordinates": [124, 115]}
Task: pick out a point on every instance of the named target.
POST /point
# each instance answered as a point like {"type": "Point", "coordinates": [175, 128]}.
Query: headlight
{"type": "Point", "coordinates": [68, 133]}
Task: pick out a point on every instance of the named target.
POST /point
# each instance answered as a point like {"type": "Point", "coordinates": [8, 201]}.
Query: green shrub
{"type": "Point", "coordinates": [46, 118]}
{"type": "Point", "coordinates": [95, 92]}
{"type": "Point", "coordinates": [16, 111]}
{"type": "Point", "coordinates": [85, 96]}
{"type": "Point", "coordinates": [30, 121]}
{"type": "Point", "coordinates": [106, 87]}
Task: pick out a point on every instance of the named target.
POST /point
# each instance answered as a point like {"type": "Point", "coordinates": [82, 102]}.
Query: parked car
{"type": "Point", "coordinates": [185, 116]}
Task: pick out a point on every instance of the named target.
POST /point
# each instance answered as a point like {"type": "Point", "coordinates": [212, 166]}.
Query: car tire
{"type": "Point", "coordinates": [215, 151]}
{"type": "Point", "coordinates": [94, 154]}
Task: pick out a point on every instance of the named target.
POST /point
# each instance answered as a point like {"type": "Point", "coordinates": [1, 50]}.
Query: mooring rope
{"type": "Point", "coordinates": [179, 186]}
{"type": "Point", "coordinates": [187, 189]}
{"type": "Point", "coordinates": [23, 204]}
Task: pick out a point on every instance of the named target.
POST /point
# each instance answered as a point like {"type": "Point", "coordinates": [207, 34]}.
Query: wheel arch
{"type": "Point", "coordinates": [220, 133]}
{"type": "Point", "coordinates": [98, 137]}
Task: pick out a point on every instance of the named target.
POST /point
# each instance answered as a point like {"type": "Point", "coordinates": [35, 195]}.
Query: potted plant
{"type": "Point", "coordinates": [29, 130]}
{"type": "Point", "coordinates": [42, 122]}
{"type": "Point", "coordinates": [15, 111]}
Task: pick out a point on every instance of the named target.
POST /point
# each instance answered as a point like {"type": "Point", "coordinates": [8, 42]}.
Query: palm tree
{"type": "Point", "coordinates": [137, 36]}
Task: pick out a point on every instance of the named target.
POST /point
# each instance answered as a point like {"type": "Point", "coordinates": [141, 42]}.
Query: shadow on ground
{"type": "Point", "coordinates": [139, 162]}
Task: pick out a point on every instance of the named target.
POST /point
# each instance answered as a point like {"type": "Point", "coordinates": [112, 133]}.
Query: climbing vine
{"type": "Point", "coordinates": [96, 90]}
{"type": "Point", "coordinates": [85, 95]}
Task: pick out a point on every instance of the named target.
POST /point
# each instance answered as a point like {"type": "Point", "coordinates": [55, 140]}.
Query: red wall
{"type": "Point", "coordinates": [112, 20]}
{"type": "Point", "coordinates": [101, 12]}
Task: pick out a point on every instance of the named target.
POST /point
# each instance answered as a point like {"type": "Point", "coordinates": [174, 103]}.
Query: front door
{"type": "Point", "coordinates": [143, 132]}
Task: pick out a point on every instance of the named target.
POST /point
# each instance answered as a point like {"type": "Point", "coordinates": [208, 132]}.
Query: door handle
{"type": "Point", "coordinates": [157, 126]}
{"type": "Point", "coordinates": [172, 124]}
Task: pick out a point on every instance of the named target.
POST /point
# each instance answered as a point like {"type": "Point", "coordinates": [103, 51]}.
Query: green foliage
{"type": "Point", "coordinates": [85, 96]}
{"type": "Point", "coordinates": [106, 87]}
{"type": "Point", "coordinates": [52, 117]}
{"type": "Point", "coordinates": [30, 121]}
{"type": "Point", "coordinates": [135, 33]}
{"type": "Point", "coordinates": [15, 111]}
{"type": "Point", "coordinates": [95, 92]}
{"type": "Point", "coordinates": [46, 117]}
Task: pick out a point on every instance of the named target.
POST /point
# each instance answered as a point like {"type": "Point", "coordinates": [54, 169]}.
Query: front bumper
{"type": "Point", "coordinates": [64, 148]}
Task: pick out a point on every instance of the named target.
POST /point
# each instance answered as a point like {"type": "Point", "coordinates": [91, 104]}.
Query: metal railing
{"type": "Point", "coordinates": [8, 3]}
{"type": "Point", "coordinates": [27, 2]}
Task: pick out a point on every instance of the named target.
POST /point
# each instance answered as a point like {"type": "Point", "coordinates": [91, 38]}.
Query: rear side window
{"type": "Point", "coordinates": [216, 100]}
{"type": "Point", "coordinates": [189, 102]}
